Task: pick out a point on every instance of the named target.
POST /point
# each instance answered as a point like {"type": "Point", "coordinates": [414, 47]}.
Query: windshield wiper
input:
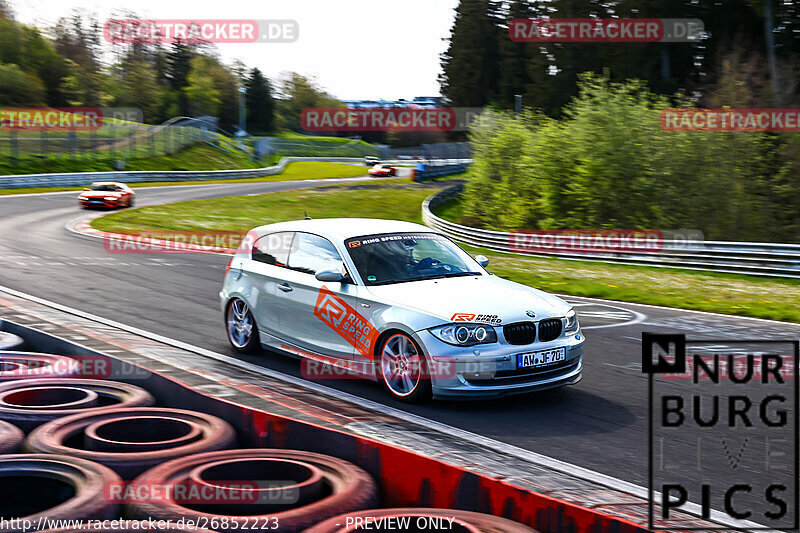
{"type": "Point", "coordinates": [459, 274]}
{"type": "Point", "coordinates": [425, 278]}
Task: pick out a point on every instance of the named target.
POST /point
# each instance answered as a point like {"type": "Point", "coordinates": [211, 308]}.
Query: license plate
{"type": "Point", "coordinates": [545, 357]}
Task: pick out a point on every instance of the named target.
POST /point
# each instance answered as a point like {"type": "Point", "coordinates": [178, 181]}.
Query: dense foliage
{"type": "Point", "coordinates": [68, 65]}
{"type": "Point", "coordinates": [607, 164]}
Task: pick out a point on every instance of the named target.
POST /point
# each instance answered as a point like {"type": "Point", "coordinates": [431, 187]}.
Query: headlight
{"type": "Point", "coordinates": [110, 198]}
{"type": "Point", "coordinates": [572, 322]}
{"type": "Point", "coordinates": [465, 334]}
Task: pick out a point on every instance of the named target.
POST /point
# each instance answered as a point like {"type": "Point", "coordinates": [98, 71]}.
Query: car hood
{"type": "Point", "coordinates": [467, 298]}
{"type": "Point", "coordinates": [99, 194]}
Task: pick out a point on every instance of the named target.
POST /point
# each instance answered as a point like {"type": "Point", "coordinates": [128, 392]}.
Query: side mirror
{"type": "Point", "coordinates": [482, 260]}
{"type": "Point", "coordinates": [329, 275]}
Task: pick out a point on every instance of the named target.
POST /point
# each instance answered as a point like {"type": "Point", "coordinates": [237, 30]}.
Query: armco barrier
{"type": "Point", "coordinates": [80, 179]}
{"type": "Point", "coordinates": [752, 258]}
{"type": "Point", "coordinates": [405, 478]}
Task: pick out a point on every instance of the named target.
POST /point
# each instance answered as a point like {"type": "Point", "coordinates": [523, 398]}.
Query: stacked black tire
{"type": "Point", "coordinates": [92, 444]}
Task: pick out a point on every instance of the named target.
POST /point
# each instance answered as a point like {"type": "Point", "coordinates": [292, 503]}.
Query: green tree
{"type": "Point", "coordinates": [18, 88]}
{"type": "Point", "coordinates": [299, 92]}
{"type": "Point", "coordinates": [84, 82]}
{"type": "Point", "coordinates": [469, 66]}
{"type": "Point", "coordinates": [178, 66]}
{"type": "Point", "coordinates": [608, 164]}
{"type": "Point", "coordinates": [200, 90]}
{"type": "Point", "coordinates": [260, 103]}
{"type": "Point", "coordinates": [139, 88]}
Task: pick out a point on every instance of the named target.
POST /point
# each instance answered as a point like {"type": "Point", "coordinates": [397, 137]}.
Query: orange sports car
{"type": "Point", "coordinates": [107, 194]}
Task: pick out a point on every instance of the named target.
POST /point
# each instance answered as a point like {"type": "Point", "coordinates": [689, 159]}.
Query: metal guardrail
{"type": "Point", "coordinates": [77, 179]}
{"type": "Point", "coordinates": [752, 258]}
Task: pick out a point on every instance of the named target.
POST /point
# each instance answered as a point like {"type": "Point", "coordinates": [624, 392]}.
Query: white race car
{"type": "Point", "coordinates": [398, 303]}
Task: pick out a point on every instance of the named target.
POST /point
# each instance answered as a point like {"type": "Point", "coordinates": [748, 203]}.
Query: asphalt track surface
{"type": "Point", "coordinates": [600, 424]}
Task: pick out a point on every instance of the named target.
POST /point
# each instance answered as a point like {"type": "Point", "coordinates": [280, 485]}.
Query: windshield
{"type": "Point", "coordinates": [104, 187]}
{"type": "Point", "coordinates": [400, 257]}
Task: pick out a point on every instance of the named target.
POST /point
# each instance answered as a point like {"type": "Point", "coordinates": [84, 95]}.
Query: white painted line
{"type": "Point", "coordinates": [485, 442]}
{"type": "Point", "coordinates": [693, 311]}
{"type": "Point", "coordinates": [637, 317]}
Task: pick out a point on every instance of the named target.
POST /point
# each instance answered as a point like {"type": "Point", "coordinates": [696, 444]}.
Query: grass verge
{"type": "Point", "coordinates": [777, 299]}
{"type": "Point", "coordinates": [300, 170]}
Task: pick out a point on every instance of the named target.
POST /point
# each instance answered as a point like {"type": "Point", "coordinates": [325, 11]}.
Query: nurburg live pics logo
{"type": "Point", "coordinates": [722, 433]}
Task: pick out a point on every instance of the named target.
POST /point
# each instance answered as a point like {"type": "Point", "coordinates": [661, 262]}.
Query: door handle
{"type": "Point", "coordinates": [285, 287]}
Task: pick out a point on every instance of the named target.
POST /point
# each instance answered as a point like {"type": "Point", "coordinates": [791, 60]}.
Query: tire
{"type": "Point", "coordinates": [463, 521]}
{"type": "Point", "coordinates": [9, 341]}
{"type": "Point", "coordinates": [56, 487]}
{"type": "Point", "coordinates": [241, 328]}
{"type": "Point", "coordinates": [348, 488]}
{"type": "Point", "coordinates": [25, 365]}
{"type": "Point", "coordinates": [132, 440]}
{"type": "Point", "coordinates": [10, 437]}
{"type": "Point", "coordinates": [402, 369]}
{"type": "Point", "coordinates": [29, 403]}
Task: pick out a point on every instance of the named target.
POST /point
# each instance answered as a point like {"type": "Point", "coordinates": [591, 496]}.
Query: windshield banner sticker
{"type": "Point", "coordinates": [346, 321]}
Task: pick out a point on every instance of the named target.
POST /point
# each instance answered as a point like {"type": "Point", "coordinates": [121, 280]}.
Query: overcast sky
{"type": "Point", "coordinates": [358, 49]}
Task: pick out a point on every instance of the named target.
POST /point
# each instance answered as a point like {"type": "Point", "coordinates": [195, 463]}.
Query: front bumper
{"type": "Point", "coordinates": [457, 372]}
{"type": "Point", "coordinates": [99, 204]}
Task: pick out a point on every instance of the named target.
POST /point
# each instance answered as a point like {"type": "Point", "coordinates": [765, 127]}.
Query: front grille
{"type": "Point", "coordinates": [520, 333]}
{"type": "Point", "coordinates": [549, 329]}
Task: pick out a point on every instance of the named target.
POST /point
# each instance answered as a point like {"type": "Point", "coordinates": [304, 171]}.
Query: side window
{"type": "Point", "coordinates": [273, 249]}
{"type": "Point", "coordinates": [311, 253]}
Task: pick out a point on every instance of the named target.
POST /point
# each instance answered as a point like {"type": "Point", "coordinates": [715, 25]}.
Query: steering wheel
{"type": "Point", "coordinates": [427, 263]}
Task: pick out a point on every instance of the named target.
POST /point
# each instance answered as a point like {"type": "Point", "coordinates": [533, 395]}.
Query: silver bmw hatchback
{"type": "Point", "coordinates": [397, 303]}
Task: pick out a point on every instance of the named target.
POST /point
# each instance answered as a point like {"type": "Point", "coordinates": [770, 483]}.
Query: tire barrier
{"type": "Point", "coordinates": [28, 403]}
{"type": "Point", "coordinates": [296, 489]}
{"type": "Point", "coordinates": [9, 341]}
{"type": "Point", "coordinates": [132, 440]}
{"type": "Point", "coordinates": [24, 365]}
{"type": "Point", "coordinates": [275, 488]}
{"type": "Point", "coordinates": [417, 520]}
{"type": "Point", "coordinates": [10, 437]}
{"type": "Point", "coordinates": [53, 487]}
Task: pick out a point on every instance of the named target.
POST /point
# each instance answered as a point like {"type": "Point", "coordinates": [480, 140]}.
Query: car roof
{"type": "Point", "coordinates": [344, 228]}
{"type": "Point", "coordinates": [107, 183]}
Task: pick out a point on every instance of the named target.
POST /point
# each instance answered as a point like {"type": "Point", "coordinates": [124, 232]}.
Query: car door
{"type": "Point", "coordinates": [267, 269]}
{"type": "Point", "coordinates": [313, 312]}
